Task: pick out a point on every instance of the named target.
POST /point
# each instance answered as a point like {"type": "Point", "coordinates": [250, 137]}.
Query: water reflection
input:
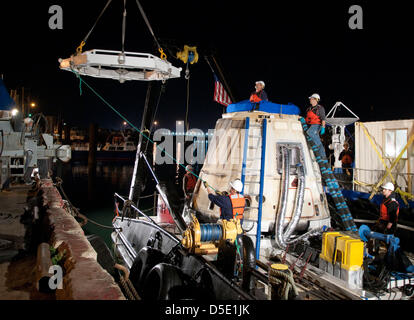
{"type": "Point", "coordinates": [93, 192]}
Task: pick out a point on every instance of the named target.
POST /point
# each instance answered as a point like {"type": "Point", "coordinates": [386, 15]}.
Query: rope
{"type": "Point", "coordinates": [80, 86]}
{"type": "Point", "coordinates": [285, 282]}
{"type": "Point", "coordinates": [59, 183]}
{"type": "Point", "coordinates": [135, 128]}
{"type": "Point", "coordinates": [128, 292]}
{"type": "Point", "coordinates": [79, 49]}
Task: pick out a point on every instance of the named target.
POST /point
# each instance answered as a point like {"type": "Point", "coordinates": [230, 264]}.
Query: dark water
{"type": "Point", "coordinates": [93, 195]}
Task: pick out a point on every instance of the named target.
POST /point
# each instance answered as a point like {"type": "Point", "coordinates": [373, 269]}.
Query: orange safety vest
{"type": "Point", "coordinates": [384, 210]}
{"type": "Point", "coordinates": [256, 98]}
{"type": "Point", "coordinates": [237, 203]}
{"type": "Point", "coordinates": [312, 118]}
{"type": "Point", "coordinates": [346, 159]}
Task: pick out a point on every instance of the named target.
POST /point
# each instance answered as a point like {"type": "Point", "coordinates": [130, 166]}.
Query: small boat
{"type": "Point", "coordinates": [117, 148]}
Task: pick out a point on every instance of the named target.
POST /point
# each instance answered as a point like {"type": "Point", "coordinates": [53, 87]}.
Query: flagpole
{"type": "Point", "coordinates": [224, 80]}
{"type": "Point", "coordinates": [214, 74]}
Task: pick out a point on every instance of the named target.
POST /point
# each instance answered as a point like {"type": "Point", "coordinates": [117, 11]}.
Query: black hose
{"type": "Point", "coordinates": [2, 142]}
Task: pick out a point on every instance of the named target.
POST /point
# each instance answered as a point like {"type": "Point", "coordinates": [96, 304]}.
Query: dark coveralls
{"type": "Point", "coordinates": [389, 210]}
{"type": "Point", "coordinates": [346, 157]}
{"type": "Point", "coordinates": [225, 204]}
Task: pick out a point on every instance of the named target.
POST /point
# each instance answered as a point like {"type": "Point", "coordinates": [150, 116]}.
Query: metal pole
{"type": "Point", "coordinates": [262, 171]}
{"type": "Point", "coordinates": [246, 144]}
{"type": "Point", "coordinates": [138, 176]}
{"type": "Point", "coordinates": [23, 106]}
{"type": "Point", "coordinates": [224, 80]}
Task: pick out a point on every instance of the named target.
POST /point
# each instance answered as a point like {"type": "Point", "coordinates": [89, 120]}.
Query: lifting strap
{"type": "Point", "coordinates": [79, 49]}
{"type": "Point", "coordinates": [163, 55]}
{"type": "Point", "coordinates": [123, 27]}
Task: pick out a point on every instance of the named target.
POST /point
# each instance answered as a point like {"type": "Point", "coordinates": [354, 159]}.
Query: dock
{"type": "Point", "coordinates": [30, 215]}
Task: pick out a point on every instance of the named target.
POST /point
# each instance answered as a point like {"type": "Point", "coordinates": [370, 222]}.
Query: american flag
{"type": "Point", "coordinates": [220, 94]}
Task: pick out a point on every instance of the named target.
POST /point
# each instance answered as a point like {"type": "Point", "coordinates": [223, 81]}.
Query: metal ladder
{"type": "Point", "coordinates": [254, 166]}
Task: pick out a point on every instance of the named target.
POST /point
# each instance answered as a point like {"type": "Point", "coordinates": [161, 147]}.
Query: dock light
{"type": "Point", "coordinates": [14, 112]}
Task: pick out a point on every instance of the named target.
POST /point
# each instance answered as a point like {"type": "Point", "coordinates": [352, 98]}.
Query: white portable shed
{"type": "Point", "coordinates": [390, 138]}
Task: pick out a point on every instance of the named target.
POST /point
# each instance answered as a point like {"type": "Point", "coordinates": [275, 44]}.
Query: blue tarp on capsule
{"type": "Point", "coordinates": [377, 199]}
{"type": "Point", "coordinates": [6, 102]}
{"type": "Point", "coordinates": [265, 106]}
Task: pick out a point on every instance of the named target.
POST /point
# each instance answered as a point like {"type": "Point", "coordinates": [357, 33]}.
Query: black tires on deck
{"type": "Point", "coordinates": [164, 282]}
{"type": "Point", "coordinates": [146, 259]}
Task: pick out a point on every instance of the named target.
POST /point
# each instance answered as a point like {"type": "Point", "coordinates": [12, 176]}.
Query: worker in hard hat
{"type": "Point", "coordinates": [231, 205]}
{"type": "Point", "coordinates": [315, 118]}
{"type": "Point", "coordinates": [189, 182]}
{"type": "Point", "coordinates": [389, 210]}
{"type": "Point", "coordinates": [258, 95]}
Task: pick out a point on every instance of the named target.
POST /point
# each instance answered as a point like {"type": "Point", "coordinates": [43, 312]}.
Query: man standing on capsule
{"type": "Point", "coordinates": [315, 118]}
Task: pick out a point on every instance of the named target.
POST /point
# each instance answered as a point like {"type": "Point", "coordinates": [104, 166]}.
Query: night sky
{"type": "Point", "coordinates": [296, 47]}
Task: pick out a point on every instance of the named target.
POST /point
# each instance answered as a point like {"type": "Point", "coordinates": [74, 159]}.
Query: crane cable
{"type": "Point", "coordinates": [163, 55]}
{"type": "Point", "coordinates": [79, 48]}
{"type": "Point", "coordinates": [187, 77]}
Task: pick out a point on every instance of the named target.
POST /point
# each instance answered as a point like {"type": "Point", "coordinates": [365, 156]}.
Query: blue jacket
{"type": "Point", "coordinates": [224, 203]}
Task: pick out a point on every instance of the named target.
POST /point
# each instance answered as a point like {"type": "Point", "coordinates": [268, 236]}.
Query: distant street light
{"type": "Point", "coordinates": [14, 112]}
{"type": "Point", "coordinates": [33, 105]}
{"type": "Point", "coordinates": [155, 123]}
{"type": "Point", "coordinates": [125, 123]}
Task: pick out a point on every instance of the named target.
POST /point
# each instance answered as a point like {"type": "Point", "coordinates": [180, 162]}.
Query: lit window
{"type": "Point", "coordinates": [395, 141]}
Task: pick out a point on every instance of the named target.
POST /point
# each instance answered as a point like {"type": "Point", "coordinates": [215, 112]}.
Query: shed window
{"type": "Point", "coordinates": [395, 141]}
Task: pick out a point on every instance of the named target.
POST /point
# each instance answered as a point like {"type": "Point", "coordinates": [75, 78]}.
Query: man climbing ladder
{"type": "Point", "coordinates": [315, 119]}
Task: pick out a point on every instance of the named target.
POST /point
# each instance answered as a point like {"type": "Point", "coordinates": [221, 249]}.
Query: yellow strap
{"type": "Point", "coordinates": [381, 158]}
{"type": "Point", "coordinates": [163, 55]}
{"type": "Point", "coordinates": [405, 194]}
{"type": "Point", "coordinates": [79, 49]}
{"type": "Point", "coordinates": [394, 163]}
{"type": "Point", "coordinates": [364, 184]}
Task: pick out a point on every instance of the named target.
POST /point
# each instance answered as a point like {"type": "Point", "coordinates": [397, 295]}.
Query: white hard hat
{"type": "Point", "coordinates": [261, 82]}
{"type": "Point", "coordinates": [316, 96]}
{"type": "Point", "coordinates": [188, 167]}
{"type": "Point", "coordinates": [388, 186]}
{"type": "Point", "coordinates": [237, 185]}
